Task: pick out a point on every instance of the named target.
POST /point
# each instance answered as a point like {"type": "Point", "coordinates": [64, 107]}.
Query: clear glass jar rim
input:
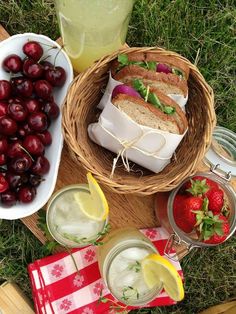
{"type": "Point", "coordinates": [222, 148]}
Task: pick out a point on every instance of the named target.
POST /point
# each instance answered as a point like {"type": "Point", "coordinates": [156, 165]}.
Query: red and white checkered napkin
{"type": "Point", "coordinates": [58, 288]}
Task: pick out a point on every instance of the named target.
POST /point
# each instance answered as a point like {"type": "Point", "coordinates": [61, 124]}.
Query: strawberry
{"type": "Point", "coordinates": [199, 185]}
{"type": "Point", "coordinates": [3, 184]}
{"type": "Point", "coordinates": [216, 200]}
{"type": "Point", "coordinates": [183, 213]}
{"type": "Point", "coordinates": [221, 229]}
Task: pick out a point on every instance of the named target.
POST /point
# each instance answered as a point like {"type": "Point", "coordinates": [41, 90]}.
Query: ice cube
{"type": "Point", "coordinates": [71, 229]}
{"type": "Point", "coordinates": [134, 254]}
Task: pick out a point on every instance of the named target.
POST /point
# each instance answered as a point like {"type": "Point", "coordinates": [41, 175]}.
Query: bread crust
{"type": "Point", "coordinates": [183, 123]}
{"type": "Point", "coordinates": [152, 56]}
{"type": "Point", "coordinates": [169, 60]}
{"type": "Point", "coordinates": [138, 72]}
{"type": "Point", "coordinates": [178, 118]}
{"type": "Point", "coordinates": [141, 102]}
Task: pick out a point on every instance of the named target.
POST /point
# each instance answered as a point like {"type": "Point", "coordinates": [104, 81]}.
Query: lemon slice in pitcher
{"type": "Point", "coordinates": [73, 40]}
{"type": "Point", "coordinates": [93, 205]}
{"type": "Point", "coordinates": [156, 269]}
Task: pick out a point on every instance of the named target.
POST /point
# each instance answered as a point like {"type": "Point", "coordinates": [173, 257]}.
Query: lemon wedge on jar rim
{"type": "Point", "coordinates": [156, 269]}
{"type": "Point", "coordinates": [94, 204]}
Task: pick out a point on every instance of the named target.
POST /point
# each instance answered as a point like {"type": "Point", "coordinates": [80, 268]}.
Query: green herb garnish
{"type": "Point", "coordinates": [85, 240]}
{"type": "Point", "coordinates": [124, 61]}
{"type": "Point", "coordinates": [113, 305]}
{"type": "Point", "coordinates": [135, 266]}
{"type": "Point", "coordinates": [151, 97]}
{"type": "Point", "coordinates": [177, 72]}
{"type": "Point", "coordinates": [129, 292]}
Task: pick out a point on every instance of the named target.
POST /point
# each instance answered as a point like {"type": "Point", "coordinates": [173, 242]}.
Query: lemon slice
{"type": "Point", "coordinates": [156, 269]}
{"type": "Point", "coordinates": [93, 205]}
{"type": "Point", "coordinates": [73, 40]}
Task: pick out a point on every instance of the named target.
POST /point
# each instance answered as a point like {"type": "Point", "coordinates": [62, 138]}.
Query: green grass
{"type": "Point", "coordinates": [205, 33]}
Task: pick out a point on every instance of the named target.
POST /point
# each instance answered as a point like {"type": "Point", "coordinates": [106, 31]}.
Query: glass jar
{"type": "Point", "coordinates": [221, 157]}
{"type": "Point", "coordinates": [67, 224]}
{"type": "Point", "coordinates": [91, 29]}
{"type": "Point", "coordinates": [119, 263]}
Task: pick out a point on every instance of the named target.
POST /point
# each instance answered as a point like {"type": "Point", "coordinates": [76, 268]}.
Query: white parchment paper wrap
{"type": "Point", "coordinates": [179, 99]}
{"type": "Point", "coordinates": [145, 146]}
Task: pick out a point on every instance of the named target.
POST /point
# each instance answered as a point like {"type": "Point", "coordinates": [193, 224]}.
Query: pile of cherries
{"type": "Point", "coordinates": [27, 108]}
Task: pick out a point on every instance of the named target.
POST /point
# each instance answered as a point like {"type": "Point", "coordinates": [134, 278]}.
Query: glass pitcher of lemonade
{"type": "Point", "coordinates": [91, 29]}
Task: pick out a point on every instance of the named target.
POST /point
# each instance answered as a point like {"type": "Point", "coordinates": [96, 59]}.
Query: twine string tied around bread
{"type": "Point", "coordinates": [127, 144]}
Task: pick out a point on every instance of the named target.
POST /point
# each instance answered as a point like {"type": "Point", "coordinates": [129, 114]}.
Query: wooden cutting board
{"type": "Point", "coordinates": [125, 210]}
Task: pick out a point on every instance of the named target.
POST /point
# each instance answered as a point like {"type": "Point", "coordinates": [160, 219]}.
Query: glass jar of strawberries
{"type": "Point", "coordinates": [201, 211]}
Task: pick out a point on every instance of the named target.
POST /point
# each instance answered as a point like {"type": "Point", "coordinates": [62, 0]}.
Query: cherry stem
{"type": "Point", "coordinates": [44, 58]}
{"type": "Point", "coordinates": [26, 151]}
{"type": "Point", "coordinates": [54, 63]}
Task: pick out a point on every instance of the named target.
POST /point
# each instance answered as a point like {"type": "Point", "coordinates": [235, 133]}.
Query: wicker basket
{"type": "Point", "coordinates": [80, 110]}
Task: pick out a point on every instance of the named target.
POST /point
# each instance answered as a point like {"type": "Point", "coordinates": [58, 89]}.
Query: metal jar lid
{"type": "Point", "coordinates": [222, 151]}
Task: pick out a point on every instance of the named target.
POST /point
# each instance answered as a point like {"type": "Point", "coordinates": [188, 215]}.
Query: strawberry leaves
{"type": "Point", "coordinates": [198, 187]}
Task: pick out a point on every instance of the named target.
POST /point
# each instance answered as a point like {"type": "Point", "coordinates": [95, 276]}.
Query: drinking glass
{"type": "Point", "coordinates": [91, 29]}
{"type": "Point", "coordinates": [119, 260]}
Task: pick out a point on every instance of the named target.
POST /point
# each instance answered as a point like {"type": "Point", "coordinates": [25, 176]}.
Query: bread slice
{"type": "Point", "coordinates": [146, 114]}
{"type": "Point", "coordinates": [170, 60]}
{"type": "Point", "coordinates": [166, 83]}
{"type": "Point", "coordinates": [178, 115]}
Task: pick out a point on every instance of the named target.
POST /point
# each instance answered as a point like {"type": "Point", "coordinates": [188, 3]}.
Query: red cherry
{"type": "Point", "coordinates": [17, 111]}
{"type": "Point", "coordinates": [12, 63]}
{"type": "Point", "coordinates": [3, 145]}
{"type": "Point", "coordinates": [15, 180]}
{"type": "Point", "coordinates": [33, 50]}
{"type": "Point", "coordinates": [5, 89]}
{"type": "Point", "coordinates": [3, 108]}
{"type": "Point", "coordinates": [26, 194]}
{"type": "Point", "coordinates": [20, 164]}
{"type": "Point", "coordinates": [3, 159]}
{"type": "Point", "coordinates": [33, 145]}
{"type": "Point", "coordinates": [15, 100]}
{"type": "Point", "coordinates": [8, 198]}
{"type": "Point", "coordinates": [32, 105]}
{"type": "Point", "coordinates": [3, 184]}
{"type": "Point", "coordinates": [7, 126]}
{"type": "Point", "coordinates": [45, 137]}
{"type": "Point", "coordinates": [43, 89]}
{"type": "Point", "coordinates": [46, 65]}
{"type": "Point", "coordinates": [22, 86]}
{"type": "Point", "coordinates": [56, 76]}
{"type": "Point", "coordinates": [38, 121]}
{"type": "Point", "coordinates": [41, 166]}
{"type": "Point", "coordinates": [32, 69]}
{"type": "Point", "coordinates": [35, 180]}
{"type": "Point", "coordinates": [14, 149]}
{"type": "Point", "coordinates": [51, 109]}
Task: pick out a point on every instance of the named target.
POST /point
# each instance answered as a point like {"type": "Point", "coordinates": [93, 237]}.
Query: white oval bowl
{"type": "Point", "coordinates": [14, 45]}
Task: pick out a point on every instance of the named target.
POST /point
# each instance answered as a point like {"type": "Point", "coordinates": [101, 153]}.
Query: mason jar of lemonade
{"type": "Point", "coordinates": [92, 29]}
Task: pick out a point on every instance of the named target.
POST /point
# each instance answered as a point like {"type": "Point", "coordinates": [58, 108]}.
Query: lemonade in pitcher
{"type": "Point", "coordinates": [92, 29]}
